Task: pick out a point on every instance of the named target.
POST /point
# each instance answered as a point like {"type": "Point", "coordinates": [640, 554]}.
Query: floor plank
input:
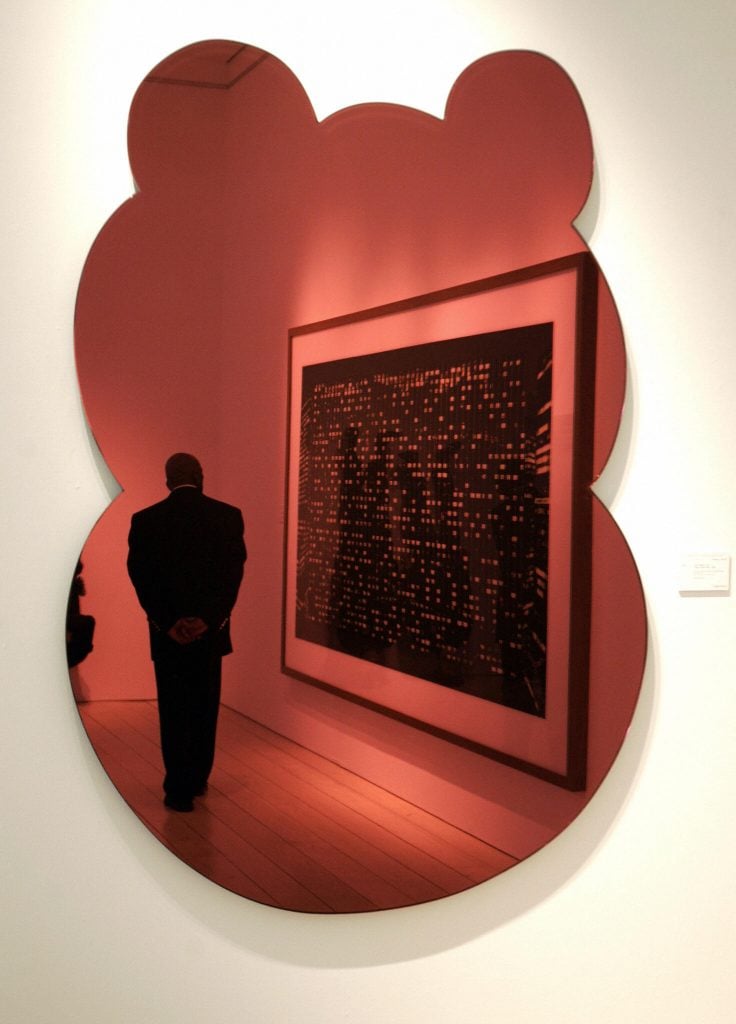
{"type": "Point", "coordinates": [284, 826]}
{"type": "Point", "coordinates": [141, 790]}
{"type": "Point", "coordinates": [468, 855]}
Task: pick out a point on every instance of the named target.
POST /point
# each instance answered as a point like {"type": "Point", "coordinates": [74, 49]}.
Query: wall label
{"type": "Point", "coordinates": [705, 573]}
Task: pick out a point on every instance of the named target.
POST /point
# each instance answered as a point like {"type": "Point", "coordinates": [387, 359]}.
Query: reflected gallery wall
{"type": "Point", "coordinates": [298, 303]}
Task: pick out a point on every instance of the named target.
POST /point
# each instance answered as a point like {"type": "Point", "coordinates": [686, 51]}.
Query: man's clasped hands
{"type": "Point", "coordinates": [187, 629]}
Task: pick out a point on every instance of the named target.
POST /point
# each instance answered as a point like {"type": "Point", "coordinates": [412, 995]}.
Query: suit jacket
{"type": "Point", "coordinates": [186, 557]}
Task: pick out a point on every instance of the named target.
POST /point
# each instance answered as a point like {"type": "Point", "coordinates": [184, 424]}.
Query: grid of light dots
{"type": "Point", "coordinates": [486, 505]}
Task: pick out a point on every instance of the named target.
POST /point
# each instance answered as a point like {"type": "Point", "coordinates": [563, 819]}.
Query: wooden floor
{"type": "Point", "coordinates": [283, 826]}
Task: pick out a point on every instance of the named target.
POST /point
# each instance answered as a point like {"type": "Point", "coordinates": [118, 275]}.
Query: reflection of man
{"type": "Point", "coordinates": [80, 629]}
{"type": "Point", "coordinates": [185, 560]}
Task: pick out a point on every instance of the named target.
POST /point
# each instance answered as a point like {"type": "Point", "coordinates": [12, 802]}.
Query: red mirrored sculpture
{"type": "Point", "coordinates": [252, 220]}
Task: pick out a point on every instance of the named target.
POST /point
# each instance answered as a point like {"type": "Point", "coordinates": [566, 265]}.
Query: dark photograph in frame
{"type": "Point", "coordinates": [438, 512]}
{"type": "Point", "coordinates": [423, 511]}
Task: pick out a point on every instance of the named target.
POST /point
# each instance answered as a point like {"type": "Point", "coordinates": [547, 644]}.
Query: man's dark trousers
{"type": "Point", "coordinates": [188, 688]}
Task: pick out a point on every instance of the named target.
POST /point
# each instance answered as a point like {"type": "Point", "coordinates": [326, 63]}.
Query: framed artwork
{"type": "Point", "coordinates": [438, 512]}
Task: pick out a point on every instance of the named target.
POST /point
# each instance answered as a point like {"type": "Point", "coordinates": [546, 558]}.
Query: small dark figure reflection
{"type": "Point", "coordinates": [80, 628]}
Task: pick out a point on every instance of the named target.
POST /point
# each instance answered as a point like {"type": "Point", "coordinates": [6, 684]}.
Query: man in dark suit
{"type": "Point", "coordinates": [185, 560]}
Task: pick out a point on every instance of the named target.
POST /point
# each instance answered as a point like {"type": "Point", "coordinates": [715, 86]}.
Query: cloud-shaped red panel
{"type": "Point", "coordinates": [252, 218]}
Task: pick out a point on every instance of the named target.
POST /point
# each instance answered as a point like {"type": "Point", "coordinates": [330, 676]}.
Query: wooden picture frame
{"type": "Point", "coordinates": [508, 559]}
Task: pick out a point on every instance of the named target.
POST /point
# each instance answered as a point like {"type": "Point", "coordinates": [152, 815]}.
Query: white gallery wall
{"type": "Point", "coordinates": [628, 916]}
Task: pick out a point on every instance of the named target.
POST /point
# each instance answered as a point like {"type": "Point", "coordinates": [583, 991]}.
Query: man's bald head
{"type": "Point", "coordinates": [183, 469]}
